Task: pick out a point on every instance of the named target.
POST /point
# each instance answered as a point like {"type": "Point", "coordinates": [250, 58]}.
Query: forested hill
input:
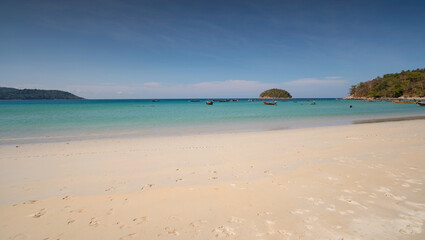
{"type": "Point", "coordinates": [26, 94]}
{"type": "Point", "coordinates": [409, 83]}
{"type": "Point", "coordinates": [275, 93]}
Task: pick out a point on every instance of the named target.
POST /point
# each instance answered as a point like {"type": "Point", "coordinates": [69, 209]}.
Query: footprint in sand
{"type": "Point", "coordinates": [147, 186]}
{"type": "Point", "coordinates": [171, 231]}
{"type": "Point", "coordinates": [198, 223]}
{"type": "Point", "coordinates": [331, 208]}
{"type": "Point", "coordinates": [129, 236]}
{"type": "Point", "coordinates": [109, 189]}
{"type": "Point", "coordinates": [110, 211]}
{"type": "Point", "coordinates": [223, 231]}
{"type": "Point", "coordinates": [284, 233]}
{"type": "Point", "coordinates": [94, 222]}
{"type": "Point", "coordinates": [236, 220]}
{"type": "Point", "coordinates": [300, 211]}
{"type": "Point", "coordinates": [268, 173]}
{"type": "Point", "coordinates": [177, 218]}
{"type": "Point", "coordinates": [180, 179]}
{"type": "Point", "coordinates": [270, 223]}
{"type": "Point", "coordinates": [30, 202]}
{"type": "Point", "coordinates": [65, 198]}
{"type": "Point", "coordinates": [264, 213]}
{"type": "Point", "coordinates": [71, 221]}
{"type": "Point", "coordinates": [409, 225]}
{"type": "Point", "coordinates": [77, 210]}
{"type": "Point", "coordinates": [141, 220]}
{"type": "Point", "coordinates": [316, 202]}
{"type": "Point", "coordinates": [351, 201]}
{"type": "Point", "coordinates": [387, 193]}
{"type": "Point", "coordinates": [40, 213]}
{"type": "Point", "coordinates": [213, 178]}
{"type": "Point", "coordinates": [311, 219]}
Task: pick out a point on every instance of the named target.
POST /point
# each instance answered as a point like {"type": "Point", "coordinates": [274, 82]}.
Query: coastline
{"type": "Point", "coordinates": [223, 129]}
{"type": "Point", "coordinates": [383, 98]}
{"type": "Point", "coordinates": [349, 181]}
{"type": "Point", "coordinates": [78, 120]}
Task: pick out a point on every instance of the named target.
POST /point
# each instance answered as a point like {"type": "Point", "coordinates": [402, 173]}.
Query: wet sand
{"type": "Point", "coordinates": [362, 181]}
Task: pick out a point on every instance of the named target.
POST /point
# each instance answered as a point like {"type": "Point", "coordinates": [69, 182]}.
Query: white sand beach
{"type": "Point", "coordinates": [363, 181]}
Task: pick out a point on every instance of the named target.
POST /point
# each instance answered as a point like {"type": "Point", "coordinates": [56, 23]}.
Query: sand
{"type": "Point", "coordinates": [361, 181]}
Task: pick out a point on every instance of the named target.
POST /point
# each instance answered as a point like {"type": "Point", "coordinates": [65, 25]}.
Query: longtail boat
{"type": "Point", "coordinates": [420, 103]}
{"type": "Point", "coordinates": [209, 102]}
{"type": "Point", "coordinates": [403, 101]}
{"type": "Point", "coordinates": [269, 103]}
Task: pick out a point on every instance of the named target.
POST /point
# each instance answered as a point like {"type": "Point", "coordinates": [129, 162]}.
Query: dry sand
{"type": "Point", "coordinates": [342, 182]}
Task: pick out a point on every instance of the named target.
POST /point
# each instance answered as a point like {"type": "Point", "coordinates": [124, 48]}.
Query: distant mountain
{"type": "Point", "coordinates": [27, 94]}
{"type": "Point", "coordinates": [407, 84]}
{"type": "Point", "coordinates": [275, 93]}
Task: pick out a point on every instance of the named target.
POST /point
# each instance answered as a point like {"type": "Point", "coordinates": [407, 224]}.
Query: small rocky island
{"type": "Point", "coordinates": [275, 93]}
{"type": "Point", "coordinates": [34, 94]}
{"type": "Point", "coordinates": [405, 84]}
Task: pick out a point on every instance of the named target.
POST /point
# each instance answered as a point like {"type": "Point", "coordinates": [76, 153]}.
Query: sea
{"type": "Point", "coordinates": [29, 121]}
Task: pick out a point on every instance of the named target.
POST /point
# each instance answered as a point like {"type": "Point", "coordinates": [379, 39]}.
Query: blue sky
{"type": "Point", "coordinates": [187, 49]}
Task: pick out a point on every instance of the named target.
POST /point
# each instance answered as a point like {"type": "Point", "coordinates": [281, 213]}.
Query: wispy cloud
{"type": "Point", "coordinates": [333, 86]}
{"type": "Point", "coordinates": [152, 84]}
{"type": "Point", "coordinates": [228, 88]}
{"type": "Point", "coordinates": [304, 87]}
{"type": "Point", "coordinates": [334, 80]}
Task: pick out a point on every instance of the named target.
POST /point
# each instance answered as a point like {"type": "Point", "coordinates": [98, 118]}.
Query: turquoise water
{"type": "Point", "coordinates": [59, 120]}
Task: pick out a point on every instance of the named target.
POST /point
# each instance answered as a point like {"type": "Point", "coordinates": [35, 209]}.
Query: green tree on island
{"type": "Point", "coordinates": [28, 94]}
{"type": "Point", "coordinates": [275, 93]}
{"type": "Point", "coordinates": [409, 83]}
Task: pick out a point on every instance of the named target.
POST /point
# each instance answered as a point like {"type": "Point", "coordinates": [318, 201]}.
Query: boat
{"type": "Point", "coordinates": [269, 103]}
{"type": "Point", "coordinates": [235, 100]}
{"type": "Point", "coordinates": [420, 103]}
{"type": "Point", "coordinates": [209, 102]}
{"type": "Point", "coordinates": [403, 101]}
{"type": "Point", "coordinates": [194, 100]}
{"type": "Point", "coordinates": [313, 103]}
{"type": "Point", "coordinates": [155, 100]}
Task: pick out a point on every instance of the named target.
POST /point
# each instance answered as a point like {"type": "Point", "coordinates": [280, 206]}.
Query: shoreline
{"type": "Point", "coordinates": [395, 119]}
{"type": "Point", "coordinates": [180, 131]}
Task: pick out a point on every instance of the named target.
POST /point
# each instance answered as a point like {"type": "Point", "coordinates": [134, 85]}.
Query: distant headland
{"type": "Point", "coordinates": [34, 94]}
{"type": "Point", "coordinates": [275, 93]}
{"type": "Point", "coordinates": [406, 84]}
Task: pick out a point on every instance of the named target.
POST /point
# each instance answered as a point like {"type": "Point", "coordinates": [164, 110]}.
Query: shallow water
{"type": "Point", "coordinates": [59, 120]}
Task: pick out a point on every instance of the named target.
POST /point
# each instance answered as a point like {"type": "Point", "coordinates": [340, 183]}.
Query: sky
{"type": "Point", "coordinates": [203, 49]}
